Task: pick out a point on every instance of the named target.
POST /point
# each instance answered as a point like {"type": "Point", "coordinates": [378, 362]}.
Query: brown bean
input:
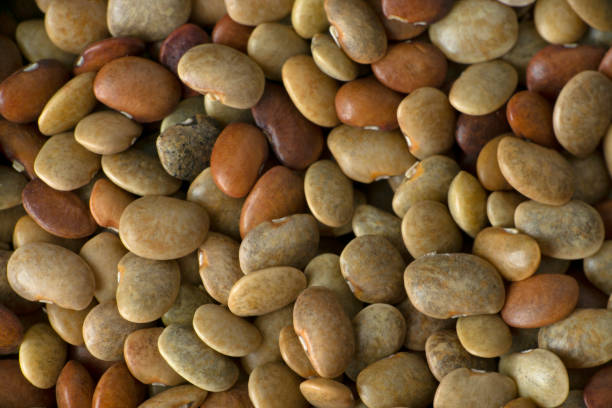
{"type": "Point", "coordinates": [178, 42]}
{"type": "Point", "coordinates": [16, 391]}
{"type": "Point", "coordinates": [238, 154]}
{"type": "Point", "coordinates": [11, 333]}
{"type": "Point", "coordinates": [553, 66]}
{"type": "Point", "coordinates": [530, 116]}
{"type": "Point", "coordinates": [409, 66]}
{"type": "Point", "coordinates": [327, 334]}
{"type": "Point", "coordinates": [230, 33]}
{"type": "Point", "coordinates": [278, 192]}
{"type": "Point", "coordinates": [416, 12]}
{"type": "Point", "coordinates": [551, 297]}
{"type": "Point", "coordinates": [118, 388]}
{"type": "Point", "coordinates": [35, 83]}
{"type": "Point", "coordinates": [98, 53]}
{"type": "Point", "coordinates": [473, 132]}
{"type": "Point", "coordinates": [367, 103]}
{"type": "Point", "coordinates": [75, 387]}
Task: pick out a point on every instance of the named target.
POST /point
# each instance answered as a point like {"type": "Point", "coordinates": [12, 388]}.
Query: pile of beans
{"type": "Point", "coordinates": [294, 203]}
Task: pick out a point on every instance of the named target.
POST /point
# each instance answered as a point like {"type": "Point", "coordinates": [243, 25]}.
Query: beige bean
{"type": "Point", "coordinates": [26, 230]}
{"type": "Point", "coordinates": [42, 355]}
{"type": "Point", "coordinates": [106, 132]}
{"type": "Point", "coordinates": [370, 220]}
{"type": "Point", "coordinates": [516, 256]}
{"type": "Point", "coordinates": [325, 331]}
{"type": "Point", "coordinates": [596, 14]}
{"type": "Point", "coordinates": [373, 269]}
{"type": "Point", "coordinates": [274, 385]}
{"type": "Point", "coordinates": [428, 227]}
{"type": "Point", "coordinates": [324, 270]}
{"type": "Point", "coordinates": [445, 353]}
{"type": "Point", "coordinates": [357, 29]}
{"type": "Point", "coordinates": [224, 332]}
{"type": "Point", "coordinates": [465, 37]}
{"type": "Point", "coordinates": [195, 361]}
{"type": "Point", "coordinates": [400, 380]}
{"type": "Point", "coordinates": [67, 323]}
{"type": "Point", "coordinates": [597, 268]}
{"type": "Point", "coordinates": [176, 396]}
{"type": "Point", "coordinates": [189, 298]}
{"type": "Point", "coordinates": [380, 330]}
{"type": "Point", "coordinates": [483, 88]}
{"type": "Point", "coordinates": [427, 120]}
{"type": "Point", "coordinates": [329, 193]}
{"type": "Point", "coordinates": [593, 183]}
{"type": "Point", "coordinates": [187, 108]}
{"type": "Point", "coordinates": [557, 23]}
{"type": "Point", "coordinates": [571, 231]}
{"type": "Point", "coordinates": [311, 91]}
{"type": "Point", "coordinates": [501, 206]}
{"type": "Point", "coordinates": [325, 393]}
{"type": "Point", "coordinates": [64, 164]}
{"type": "Point", "coordinates": [12, 183]}
{"type": "Point", "coordinates": [293, 353]}
{"type": "Point", "coordinates": [539, 375]}
{"type": "Point", "coordinates": [308, 17]}
{"type": "Point", "coordinates": [224, 211]}
{"type": "Point", "coordinates": [254, 12]}
{"type": "Point", "coordinates": [158, 227]}
{"type": "Point", "coordinates": [467, 203]}
{"type": "Point", "coordinates": [219, 265]}
{"type": "Point", "coordinates": [484, 335]}
{"type": "Point", "coordinates": [331, 59]}
{"type": "Point", "coordinates": [225, 114]}
{"type": "Point", "coordinates": [467, 388]}
{"type": "Point", "coordinates": [487, 167]}
{"type": "Point", "coordinates": [367, 155]}
{"type": "Point", "coordinates": [270, 326]}
{"type": "Point", "coordinates": [68, 105]}
{"type": "Point", "coordinates": [429, 179]}
{"type": "Point", "coordinates": [265, 290]}
{"type": "Point", "coordinates": [271, 44]}
{"type": "Point", "coordinates": [450, 285]}
{"type": "Point", "coordinates": [232, 77]}
{"type": "Point", "coordinates": [587, 95]}
{"type": "Point", "coordinates": [419, 326]}
{"type": "Point", "coordinates": [105, 331]}
{"type": "Point", "coordinates": [139, 173]}
{"type": "Point", "coordinates": [288, 241]}
{"type": "Point", "coordinates": [147, 288]}
{"type": "Point", "coordinates": [581, 340]}
{"type": "Point", "coordinates": [102, 253]}
{"type": "Point", "coordinates": [47, 272]}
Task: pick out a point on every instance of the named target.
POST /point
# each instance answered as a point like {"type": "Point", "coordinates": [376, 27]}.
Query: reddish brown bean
{"type": "Point", "coordinates": [237, 156]}
{"type": "Point", "coordinates": [101, 52]}
{"type": "Point", "coordinates": [395, 29]}
{"type": "Point", "coordinates": [367, 103]}
{"type": "Point", "coordinates": [416, 11]}
{"type": "Point", "coordinates": [17, 392]}
{"type": "Point", "coordinates": [278, 193]}
{"type": "Point", "coordinates": [143, 89]}
{"type": "Point", "coordinates": [530, 116]}
{"type": "Point", "coordinates": [11, 331]}
{"type": "Point", "coordinates": [598, 391]}
{"type": "Point", "coordinates": [11, 57]}
{"type": "Point", "coordinates": [230, 33]}
{"type": "Point", "coordinates": [473, 132]}
{"type": "Point", "coordinates": [21, 144]}
{"type": "Point", "coordinates": [35, 83]}
{"type": "Point", "coordinates": [60, 213]}
{"type": "Point", "coordinates": [540, 300]}
{"type": "Point", "coordinates": [553, 66]}
{"type": "Point", "coordinates": [178, 42]}
{"type": "Point", "coordinates": [295, 140]}
{"type": "Point", "coordinates": [107, 202]}
{"type": "Point", "coordinates": [605, 67]}
{"type": "Point", "coordinates": [411, 65]}
{"type": "Point", "coordinates": [117, 388]}
{"type": "Point", "coordinates": [75, 387]}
